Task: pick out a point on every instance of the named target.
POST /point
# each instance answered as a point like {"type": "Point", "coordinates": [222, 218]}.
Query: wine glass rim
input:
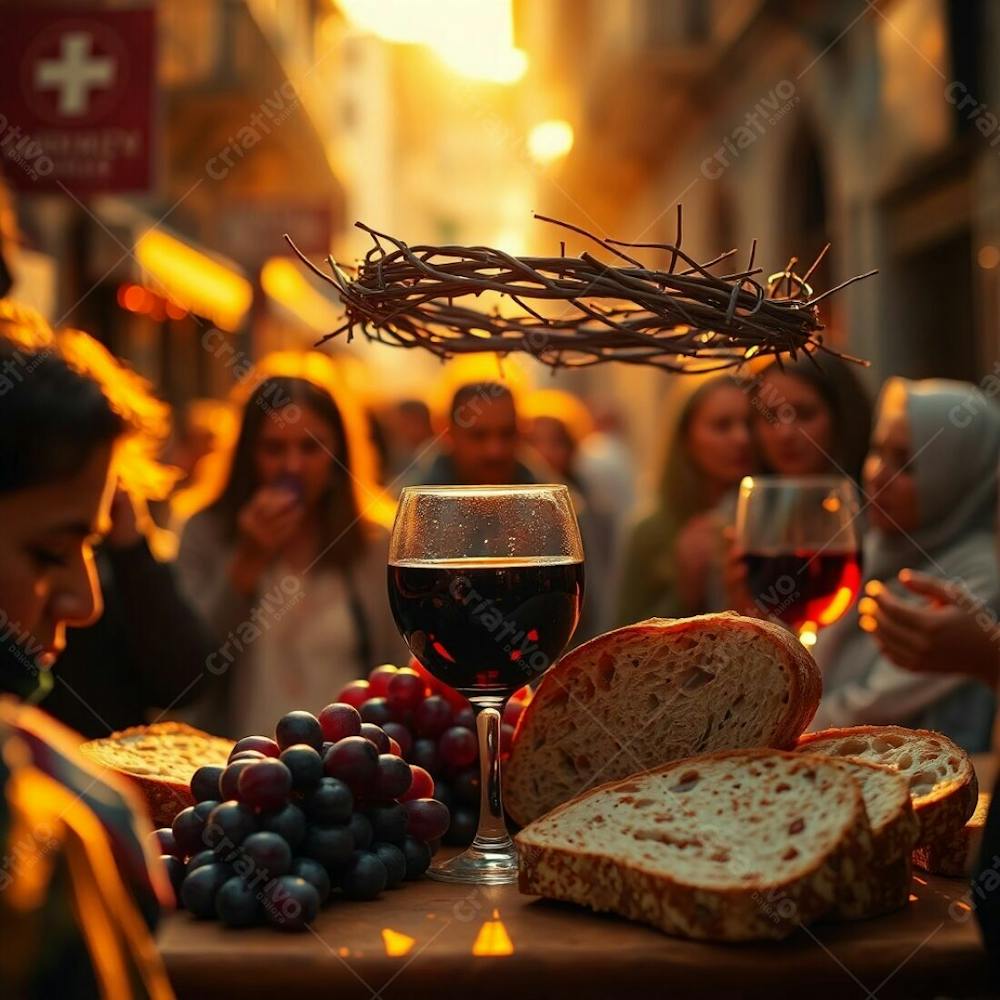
{"type": "Point", "coordinates": [484, 491]}
{"type": "Point", "coordinates": [819, 480]}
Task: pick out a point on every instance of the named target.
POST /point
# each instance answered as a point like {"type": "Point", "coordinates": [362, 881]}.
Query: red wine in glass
{"type": "Point", "coordinates": [800, 587]}
{"type": "Point", "coordinates": [487, 626]}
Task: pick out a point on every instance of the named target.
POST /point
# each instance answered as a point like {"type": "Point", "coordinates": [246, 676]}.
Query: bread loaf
{"type": "Point", "coordinates": [160, 759]}
{"type": "Point", "coordinates": [957, 857]}
{"type": "Point", "coordinates": [730, 846]}
{"type": "Point", "coordinates": [654, 692]}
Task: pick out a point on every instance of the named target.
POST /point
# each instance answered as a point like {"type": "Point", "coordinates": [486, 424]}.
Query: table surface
{"type": "Point", "coordinates": [429, 939]}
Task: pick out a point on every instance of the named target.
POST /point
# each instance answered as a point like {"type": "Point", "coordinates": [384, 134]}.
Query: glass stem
{"type": "Point", "coordinates": [492, 831]}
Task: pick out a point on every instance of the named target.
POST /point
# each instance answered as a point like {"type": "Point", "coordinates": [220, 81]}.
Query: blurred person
{"type": "Point", "coordinates": [607, 469]}
{"type": "Point", "coordinates": [932, 478]}
{"type": "Point", "coordinates": [81, 890]}
{"type": "Point", "coordinates": [673, 559]}
{"type": "Point", "coordinates": [556, 423]}
{"type": "Point", "coordinates": [147, 650]}
{"type": "Point", "coordinates": [409, 432]}
{"type": "Point", "coordinates": [288, 564]}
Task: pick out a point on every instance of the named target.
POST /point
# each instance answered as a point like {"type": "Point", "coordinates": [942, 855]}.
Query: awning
{"type": "Point", "coordinates": [294, 295]}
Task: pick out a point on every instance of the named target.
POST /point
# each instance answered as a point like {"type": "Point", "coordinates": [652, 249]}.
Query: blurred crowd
{"type": "Point", "coordinates": [231, 566]}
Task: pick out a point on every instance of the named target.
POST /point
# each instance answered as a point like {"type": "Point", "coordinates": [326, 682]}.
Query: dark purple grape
{"type": "Point", "coordinates": [375, 735]}
{"type": "Point", "coordinates": [290, 903]}
{"type": "Point", "coordinates": [187, 828]}
{"type": "Point", "coordinates": [175, 871]}
{"type": "Point", "coordinates": [288, 822]}
{"type": "Point", "coordinates": [265, 784]}
{"type": "Point", "coordinates": [425, 754]}
{"type": "Point", "coordinates": [376, 710]}
{"type": "Point", "coordinates": [394, 776]}
{"type": "Point", "coordinates": [354, 760]}
{"type": "Point", "coordinates": [418, 857]}
{"type": "Point", "coordinates": [204, 809]}
{"type": "Point", "coordinates": [466, 717]}
{"type": "Point", "coordinates": [227, 826]}
{"type": "Point", "coordinates": [200, 886]}
{"type": "Point", "coordinates": [331, 846]}
{"type": "Point", "coordinates": [443, 793]}
{"type": "Point", "coordinates": [339, 720]}
{"type": "Point", "coordinates": [364, 876]}
{"type": "Point", "coordinates": [361, 831]}
{"type": "Point", "coordinates": [462, 827]}
{"type": "Point", "coordinates": [205, 782]}
{"type": "Point", "coordinates": [426, 819]}
{"type": "Point", "coordinates": [315, 874]}
{"type": "Point", "coordinates": [389, 821]}
{"type": "Point", "coordinates": [306, 766]}
{"type": "Point", "coordinates": [267, 851]}
{"type": "Point", "coordinates": [298, 727]}
{"type": "Point", "coordinates": [394, 860]}
{"type": "Point", "coordinates": [398, 732]}
{"type": "Point", "coordinates": [262, 744]}
{"type": "Point", "coordinates": [199, 859]}
{"type": "Point", "coordinates": [164, 841]}
{"type": "Point", "coordinates": [458, 748]}
{"type": "Point", "coordinates": [405, 691]}
{"type": "Point", "coordinates": [465, 786]}
{"type": "Point", "coordinates": [330, 802]}
{"type": "Point", "coordinates": [229, 781]}
{"type": "Point", "coordinates": [236, 904]}
{"type": "Point", "coordinates": [432, 717]}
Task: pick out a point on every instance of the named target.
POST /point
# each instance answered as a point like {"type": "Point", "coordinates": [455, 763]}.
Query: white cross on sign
{"type": "Point", "coordinates": [75, 73]}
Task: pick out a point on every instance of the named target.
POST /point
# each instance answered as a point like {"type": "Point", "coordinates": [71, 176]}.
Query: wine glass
{"type": "Point", "coordinates": [797, 538]}
{"type": "Point", "coordinates": [485, 585]}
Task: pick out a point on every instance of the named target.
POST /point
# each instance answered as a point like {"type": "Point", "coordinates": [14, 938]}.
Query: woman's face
{"type": "Point", "coordinates": [550, 439]}
{"type": "Point", "coordinates": [794, 426]}
{"type": "Point", "coordinates": [718, 436]}
{"type": "Point", "coordinates": [889, 480]}
{"type": "Point", "coordinates": [296, 445]}
{"type": "Point", "coordinates": [47, 575]}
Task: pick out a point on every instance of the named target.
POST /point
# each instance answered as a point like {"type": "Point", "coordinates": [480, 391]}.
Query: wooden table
{"type": "Point", "coordinates": [434, 940]}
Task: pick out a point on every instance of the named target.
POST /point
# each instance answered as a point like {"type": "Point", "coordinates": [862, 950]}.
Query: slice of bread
{"type": "Point", "coordinates": [731, 846]}
{"type": "Point", "coordinates": [657, 691]}
{"type": "Point", "coordinates": [942, 779]}
{"type": "Point", "coordinates": [160, 759]}
{"type": "Point", "coordinates": [957, 858]}
{"type": "Point", "coordinates": [886, 884]}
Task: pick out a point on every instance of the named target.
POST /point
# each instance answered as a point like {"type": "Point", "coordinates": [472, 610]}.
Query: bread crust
{"type": "Point", "coordinates": [768, 911]}
{"type": "Point", "coordinates": [524, 772]}
{"type": "Point", "coordinates": [956, 858]}
{"type": "Point", "coordinates": [165, 795]}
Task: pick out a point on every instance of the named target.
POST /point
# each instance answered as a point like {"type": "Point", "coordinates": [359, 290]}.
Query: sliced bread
{"type": "Point", "coordinates": [731, 846]}
{"type": "Point", "coordinates": [957, 857]}
{"type": "Point", "coordinates": [654, 692]}
{"type": "Point", "coordinates": [886, 885]}
{"type": "Point", "coordinates": [160, 760]}
{"type": "Point", "coordinates": [942, 779]}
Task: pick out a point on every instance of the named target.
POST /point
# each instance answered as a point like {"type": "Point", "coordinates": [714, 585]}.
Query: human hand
{"type": "Point", "coordinates": [734, 578]}
{"type": "Point", "coordinates": [268, 522]}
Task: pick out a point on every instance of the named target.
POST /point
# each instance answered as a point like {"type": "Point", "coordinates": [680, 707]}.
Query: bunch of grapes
{"type": "Point", "coordinates": [435, 728]}
{"type": "Point", "coordinates": [328, 806]}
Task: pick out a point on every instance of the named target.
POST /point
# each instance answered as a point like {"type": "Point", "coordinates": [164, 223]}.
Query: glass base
{"type": "Point", "coordinates": [482, 864]}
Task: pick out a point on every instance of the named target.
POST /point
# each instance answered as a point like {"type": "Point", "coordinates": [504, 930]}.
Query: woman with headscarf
{"type": "Point", "coordinates": [931, 483]}
{"type": "Point", "coordinates": [673, 559]}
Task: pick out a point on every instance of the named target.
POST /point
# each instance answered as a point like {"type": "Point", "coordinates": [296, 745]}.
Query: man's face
{"type": "Point", "coordinates": [484, 438]}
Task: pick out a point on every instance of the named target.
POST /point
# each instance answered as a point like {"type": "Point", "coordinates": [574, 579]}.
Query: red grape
{"type": "Point", "coordinates": [405, 690]}
{"type": "Point", "coordinates": [355, 694]}
{"type": "Point", "coordinates": [378, 680]}
{"type": "Point", "coordinates": [164, 842]}
{"type": "Point", "coordinates": [421, 785]}
{"type": "Point", "coordinates": [262, 744]}
{"type": "Point", "coordinates": [426, 819]}
{"type": "Point", "coordinates": [394, 748]}
{"type": "Point", "coordinates": [265, 784]}
{"type": "Point", "coordinates": [340, 719]}
{"type": "Point", "coordinates": [229, 781]}
{"type": "Point", "coordinates": [398, 732]}
{"type": "Point", "coordinates": [506, 738]}
{"type": "Point", "coordinates": [376, 736]}
{"type": "Point", "coordinates": [394, 777]}
{"type": "Point", "coordinates": [433, 717]}
{"type": "Point", "coordinates": [513, 711]}
{"type": "Point", "coordinates": [458, 747]}
{"type": "Point", "coordinates": [354, 760]}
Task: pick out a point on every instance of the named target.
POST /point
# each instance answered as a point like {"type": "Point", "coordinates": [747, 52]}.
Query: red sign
{"type": "Point", "coordinates": [76, 99]}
